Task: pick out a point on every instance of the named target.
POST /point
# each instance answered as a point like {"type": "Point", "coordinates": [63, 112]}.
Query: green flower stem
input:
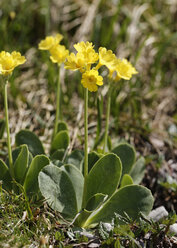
{"type": "Point", "coordinates": [7, 130]}
{"type": "Point", "coordinates": [107, 118]}
{"type": "Point", "coordinates": [30, 214]}
{"type": "Point", "coordinates": [86, 132]}
{"type": "Point", "coordinates": [28, 209]}
{"type": "Point", "coordinates": [86, 144]}
{"type": "Point", "coordinates": [58, 103]}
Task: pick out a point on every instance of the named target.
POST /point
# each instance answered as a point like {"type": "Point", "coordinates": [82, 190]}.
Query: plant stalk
{"type": "Point", "coordinates": [8, 130]}
{"type": "Point", "coordinates": [86, 145]}
{"type": "Point", "coordinates": [86, 132]}
{"type": "Point", "coordinates": [57, 103]}
{"type": "Point", "coordinates": [30, 214]}
{"type": "Point", "coordinates": [107, 118]}
{"type": "Point", "coordinates": [28, 209]}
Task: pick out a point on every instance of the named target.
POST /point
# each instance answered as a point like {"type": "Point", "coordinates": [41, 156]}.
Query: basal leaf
{"type": "Point", "coordinates": [77, 180]}
{"type": "Point", "coordinates": [31, 180]}
{"type": "Point", "coordinates": [138, 170]}
{"type": "Point", "coordinates": [104, 177]}
{"type": "Point", "coordinates": [93, 157]}
{"type": "Point", "coordinates": [62, 126]}
{"type": "Point", "coordinates": [60, 141]}
{"type": "Point", "coordinates": [75, 158]}
{"type": "Point", "coordinates": [21, 164]}
{"type": "Point", "coordinates": [31, 140]}
{"type": "Point", "coordinates": [3, 169]}
{"type": "Point", "coordinates": [126, 153]}
{"type": "Point", "coordinates": [126, 180]}
{"type": "Point", "coordinates": [129, 200]}
{"type": "Point", "coordinates": [95, 201]}
{"type": "Point", "coordinates": [58, 155]}
{"type": "Point", "coordinates": [57, 188]}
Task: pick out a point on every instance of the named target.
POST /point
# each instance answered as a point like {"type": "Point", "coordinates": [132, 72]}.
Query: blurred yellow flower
{"type": "Point", "coordinates": [90, 80]}
{"type": "Point", "coordinates": [75, 62]}
{"type": "Point", "coordinates": [107, 58]}
{"type": "Point", "coordinates": [84, 57]}
{"type": "Point", "coordinates": [12, 15]}
{"type": "Point", "coordinates": [58, 54]}
{"type": "Point", "coordinates": [124, 69]}
{"type": "Point", "coordinates": [50, 41]}
{"type": "Point", "coordinates": [9, 61]}
{"type": "Point", "coordinates": [83, 46]}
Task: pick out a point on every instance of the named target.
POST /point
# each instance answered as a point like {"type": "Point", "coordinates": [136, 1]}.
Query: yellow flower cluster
{"type": "Point", "coordinates": [82, 61]}
{"type": "Point", "coordinates": [122, 68]}
{"type": "Point", "coordinates": [8, 62]}
{"type": "Point", "coordinates": [86, 56]}
{"type": "Point", "coordinates": [52, 44]}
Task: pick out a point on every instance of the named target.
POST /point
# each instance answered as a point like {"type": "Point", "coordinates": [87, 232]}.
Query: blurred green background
{"type": "Point", "coordinates": [142, 31]}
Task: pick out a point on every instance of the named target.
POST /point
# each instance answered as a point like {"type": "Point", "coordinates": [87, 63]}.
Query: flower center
{"type": "Point", "coordinates": [91, 79]}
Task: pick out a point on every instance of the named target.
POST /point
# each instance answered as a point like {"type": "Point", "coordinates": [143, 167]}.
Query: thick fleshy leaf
{"type": "Point", "coordinates": [31, 140]}
{"type": "Point", "coordinates": [75, 158]}
{"type": "Point", "coordinates": [31, 180]}
{"type": "Point", "coordinates": [82, 217]}
{"type": "Point", "coordinates": [21, 164]}
{"type": "Point", "coordinates": [126, 153]}
{"type": "Point", "coordinates": [104, 177]}
{"type": "Point", "coordinates": [5, 176]}
{"type": "Point", "coordinates": [3, 169]}
{"type": "Point", "coordinates": [15, 154]}
{"type": "Point", "coordinates": [95, 201]}
{"type": "Point", "coordinates": [126, 180]}
{"type": "Point", "coordinates": [7, 181]}
{"type": "Point", "coordinates": [62, 126]}
{"type": "Point", "coordinates": [60, 141]}
{"type": "Point", "coordinates": [130, 200]}
{"type": "Point", "coordinates": [58, 163]}
{"type": "Point", "coordinates": [92, 205]}
{"type": "Point", "coordinates": [93, 157]}
{"type": "Point", "coordinates": [77, 180]}
{"type": "Point", "coordinates": [57, 188]}
{"type": "Point", "coordinates": [58, 155]}
{"type": "Point", "coordinates": [138, 170]}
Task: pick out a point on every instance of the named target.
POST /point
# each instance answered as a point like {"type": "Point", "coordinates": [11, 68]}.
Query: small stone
{"type": "Point", "coordinates": [87, 234]}
{"type": "Point", "coordinates": [174, 241]}
{"type": "Point", "coordinates": [158, 214]}
{"type": "Point", "coordinates": [93, 245]}
{"type": "Point", "coordinates": [173, 228]}
{"type": "Point", "coordinates": [107, 226]}
{"type": "Point", "coordinates": [147, 236]}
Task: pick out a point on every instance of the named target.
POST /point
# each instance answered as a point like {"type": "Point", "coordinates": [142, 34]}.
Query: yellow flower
{"type": "Point", "coordinates": [124, 69]}
{"type": "Point", "coordinates": [107, 58]}
{"type": "Point", "coordinates": [75, 62]}
{"type": "Point", "coordinates": [84, 57]}
{"type": "Point", "coordinates": [9, 61]}
{"type": "Point", "coordinates": [112, 68]}
{"type": "Point", "coordinates": [58, 54]}
{"type": "Point", "coordinates": [50, 41]}
{"type": "Point", "coordinates": [83, 46]}
{"type": "Point", "coordinates": [90, 80]}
